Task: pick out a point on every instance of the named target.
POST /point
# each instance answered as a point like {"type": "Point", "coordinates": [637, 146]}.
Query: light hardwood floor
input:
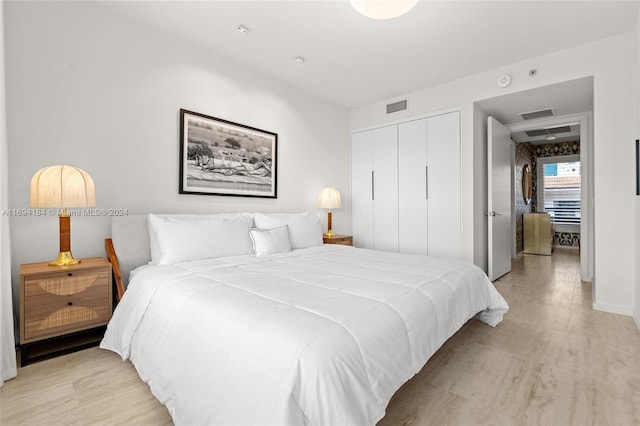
{"type": "Point", "coordinates": [552, 361]}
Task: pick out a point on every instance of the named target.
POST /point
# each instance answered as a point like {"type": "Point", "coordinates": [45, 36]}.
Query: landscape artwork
{"type": "Point", "coordinates": [219, 157]}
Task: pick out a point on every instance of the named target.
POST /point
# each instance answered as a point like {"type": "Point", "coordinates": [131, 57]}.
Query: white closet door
{"type": "Point", "coordinates": [385, 202]}
{"type": "Point", "coordinates": [412, 189]}
{"type": "Point", "coordinates": [443, 158]}
{"type": "Point", "coordinates": [362, 189]}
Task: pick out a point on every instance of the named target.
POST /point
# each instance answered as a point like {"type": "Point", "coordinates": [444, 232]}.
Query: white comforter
{"type": "Point", "coordinates": [319, 336]}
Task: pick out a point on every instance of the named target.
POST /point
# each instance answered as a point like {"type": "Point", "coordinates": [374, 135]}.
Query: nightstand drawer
{"type": "Point", "coordinates": [62, 301]}
{"type": "Point", "coordinates": [345, 240]}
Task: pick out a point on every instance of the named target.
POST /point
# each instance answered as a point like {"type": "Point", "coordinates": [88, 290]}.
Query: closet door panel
{"type": "Point", "coordinates": [443, 157]}
{"type": "Point", "coordinates": [412, 187]}
{"type": "Point", "coordinates": [361, 189]}
{"type": "Point", "coordinates": [385, 203]}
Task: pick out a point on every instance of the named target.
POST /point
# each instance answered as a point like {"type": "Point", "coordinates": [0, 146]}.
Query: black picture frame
{"type": "Point", "coordinates": [637, 166]}
{"type": "Point", "coordinates": [220, 157]}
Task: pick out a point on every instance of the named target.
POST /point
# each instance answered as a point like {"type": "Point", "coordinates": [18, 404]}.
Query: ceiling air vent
{"type": "Point", "coordinates": [402, 105]}
{"type": "Point", "coordinates": [547, 112]}
{"type": "Point", "coordinates": [537, 132]}
{"type": "Point", "coordinates": [545, 132]}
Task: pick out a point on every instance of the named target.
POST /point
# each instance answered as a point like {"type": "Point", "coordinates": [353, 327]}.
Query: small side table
{"type": "Point", "coordinates": [63, 308]}
{"type": "Point", "coordinates": [345, 240]}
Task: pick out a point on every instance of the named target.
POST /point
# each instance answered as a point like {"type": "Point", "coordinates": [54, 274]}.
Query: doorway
{"type": "Point", "coordinates": [574, 99]}
{"type": "Point", "coordinates": [581, 224]}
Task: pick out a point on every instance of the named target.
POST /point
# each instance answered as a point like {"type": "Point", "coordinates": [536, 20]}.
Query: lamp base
{"type": "Point", "coordinates": [65, 258]}
{"type": "Point", "coordinates": [329, 234]}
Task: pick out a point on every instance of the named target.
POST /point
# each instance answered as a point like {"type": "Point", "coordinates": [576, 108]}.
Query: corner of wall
{"type": "Point", "coordinates": [636, 308]}
{"type": "Point", "coordinates": [480, 188]}
{"type": "Point", "coordinates": [636, 82]}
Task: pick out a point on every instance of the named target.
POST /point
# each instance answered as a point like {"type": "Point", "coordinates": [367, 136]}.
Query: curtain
{"type": "Point", "coordinates": [7, 342]}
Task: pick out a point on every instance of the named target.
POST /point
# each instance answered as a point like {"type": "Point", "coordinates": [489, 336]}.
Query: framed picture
{"type": "Point", "coordinates": [637, 166]}
{"type": "Point", "coordinates": [219, 157]}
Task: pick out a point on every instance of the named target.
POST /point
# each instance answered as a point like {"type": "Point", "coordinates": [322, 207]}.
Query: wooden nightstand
{"type": "Point", "coordinates": [345, 240]}
{"type": "Point", "coordinates": [59, 305]}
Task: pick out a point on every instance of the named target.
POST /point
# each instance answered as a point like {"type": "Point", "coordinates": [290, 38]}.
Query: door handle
{"type": "Point", "coordinates": [426, 182]}
{"type": "Point", "coordinates": [492, 213]}
{"type": "Point", "coordinates": [373, 192]}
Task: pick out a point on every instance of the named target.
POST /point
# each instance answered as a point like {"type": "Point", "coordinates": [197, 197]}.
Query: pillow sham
{"type": "Point", "coordinates": [270, 241]}
{"type": "Point", "coordinates": [305, 229]}
{"type": "Point", "coordinates": [182, 238]}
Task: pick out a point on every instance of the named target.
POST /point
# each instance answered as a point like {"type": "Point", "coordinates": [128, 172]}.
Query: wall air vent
{"type": "Point", "coordinates": [402, 105]}
{"type": "Point", "coordinates": [547, 112]}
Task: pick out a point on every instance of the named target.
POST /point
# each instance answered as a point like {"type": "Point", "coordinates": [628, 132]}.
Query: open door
{"type": "Point", "coordinates": [499, 184]}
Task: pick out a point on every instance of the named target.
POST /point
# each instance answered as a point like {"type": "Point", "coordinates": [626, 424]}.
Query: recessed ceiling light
{"type": "Point", "coordinates": [243, 29]}
{"type": "Point", "coordinates": [551, 137]}
{"type": "Point", "coordinates": [299, 59]}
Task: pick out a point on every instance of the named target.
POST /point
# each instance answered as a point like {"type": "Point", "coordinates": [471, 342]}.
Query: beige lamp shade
{"type": "Point", "coordinates": [329, 198]}
{"type": "Point", "coordinates": [62, 187]}
{"type": "Point", "coordinates": [383, 9]}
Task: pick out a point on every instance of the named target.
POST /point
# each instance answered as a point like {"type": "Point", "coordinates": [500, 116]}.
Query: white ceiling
{"type": "Point", "coordinates": [565, 98]}
{"type": "Point", "coordinates": [353, 61]}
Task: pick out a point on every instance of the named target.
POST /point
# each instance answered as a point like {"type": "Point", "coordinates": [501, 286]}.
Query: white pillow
{"type": "Point", "coordinates": [182, 238]}
{"type": "Point", "coordinates": [305, 229]}
{"type": "Point", "coordinates": [269, 241]}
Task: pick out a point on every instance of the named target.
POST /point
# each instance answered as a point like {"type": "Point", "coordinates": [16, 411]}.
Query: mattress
{"type": "Point", "coordinates": [317, 336]}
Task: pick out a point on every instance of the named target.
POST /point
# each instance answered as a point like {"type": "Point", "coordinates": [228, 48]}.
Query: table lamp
{"type": "Point", "coordinates": [329, 198]}
{"type": "Point", "coordinates": [62, 187]}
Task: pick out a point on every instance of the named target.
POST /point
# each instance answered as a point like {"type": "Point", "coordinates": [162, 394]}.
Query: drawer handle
{"type": "Point", "coordinates": [70, 274]}
{"type": "Point", "coordinates": [70, 303]}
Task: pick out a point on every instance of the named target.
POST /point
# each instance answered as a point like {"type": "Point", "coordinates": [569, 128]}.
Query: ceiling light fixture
{"type": "Point", "coordinates": [243, 29]}
{"type": "Point", "coordinates": [383, 9]}
{"type": "Point", "coordinates": [551, 137]}
{"type": "Point", "coordinates": [299, 59]}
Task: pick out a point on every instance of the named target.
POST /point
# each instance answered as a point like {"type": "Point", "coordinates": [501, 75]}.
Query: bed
{"type": "Point", "coordinates": [292, 332]}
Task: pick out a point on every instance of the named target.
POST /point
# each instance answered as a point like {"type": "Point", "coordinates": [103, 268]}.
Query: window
{"type": "Point", "coordinates": [561, 191]}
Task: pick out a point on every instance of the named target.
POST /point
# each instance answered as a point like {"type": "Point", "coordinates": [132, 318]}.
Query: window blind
{"type": "Point", "coordinates": [563, 204]}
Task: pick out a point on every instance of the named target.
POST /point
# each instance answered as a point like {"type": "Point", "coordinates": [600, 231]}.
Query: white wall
{"type": "Point", "coordinates": [611, 63]}
{"type": "Point", "coordinates": [91, 88]}
{"type": "Point", "coordinates": [480, 188]}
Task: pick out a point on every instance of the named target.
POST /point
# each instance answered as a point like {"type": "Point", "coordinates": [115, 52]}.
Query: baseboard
{"type": "Point", "coordinates": [621, 310]}
{"type": "Point", "coordinates": [636, 318]}
{"type": "Point", "coordinates": [576, 248]}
